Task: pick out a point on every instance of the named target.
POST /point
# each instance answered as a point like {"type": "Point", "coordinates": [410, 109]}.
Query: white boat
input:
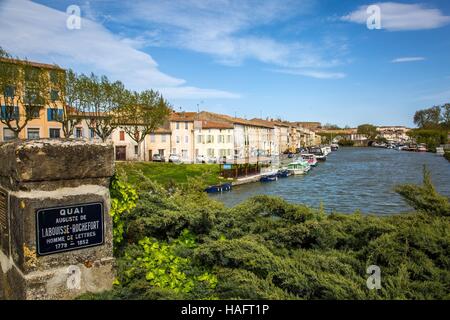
{"type": "Point", "coordinates": [440, 151]}
{"type": "Point", "coordinates": [310, 158]}
{"type": "Point", "coordinates": [298, 167]}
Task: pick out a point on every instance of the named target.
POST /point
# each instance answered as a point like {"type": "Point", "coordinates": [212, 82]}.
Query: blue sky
{"type": "Point", "coordinates": [310, 60]}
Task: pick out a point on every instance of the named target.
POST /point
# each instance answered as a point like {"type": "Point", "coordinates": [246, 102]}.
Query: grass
{"type": "Point", "coordinates": [165, 173]}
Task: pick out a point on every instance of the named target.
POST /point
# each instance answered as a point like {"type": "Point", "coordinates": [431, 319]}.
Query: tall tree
{"type": "Point", "coordinates": [446, 116]}
{"type": "Point", "coordinates": [71, 95]}
{"type": "Point", "coordinates": [24, 91]}
{"type": "Point", "coordinates": [100, 103]}
{"type": "Point", "coordinates": [370, 131]}
{"type": "Point", "coordinates": [428, 118]}
{"type": "Point", "coordinates": [142, 114]}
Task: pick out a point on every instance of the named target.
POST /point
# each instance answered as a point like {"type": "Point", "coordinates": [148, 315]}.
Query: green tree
{"type": "Point", "coordinates": [446, 116]}
{"type": "Point", "coordinates": [142, 113]}
{"type": "Point", "coordinates": [370, 131]}
{"type": "Point", "coordinates": [25, 90]}
{"type": "Point", "coordinates": [71, 95]}
{"type": "Point", "coordinates": [428, 118]}
{"type": "Point", "coordinates": [101, 102]}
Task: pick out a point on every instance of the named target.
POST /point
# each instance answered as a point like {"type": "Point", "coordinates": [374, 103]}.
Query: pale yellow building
{"type": "Point", "coordinates": [44, 123]}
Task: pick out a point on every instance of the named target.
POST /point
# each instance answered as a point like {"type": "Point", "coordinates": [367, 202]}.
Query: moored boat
{"type": "Point", "coordinates": [269, 177]}
{"type": "Point", "coordinates": [334, 147]}
{"type": "Point", "coordinates": [310, 158]}
{"type": "Point", "coordinates": [320, 156]}
{"type": "Point", "coordinates": [422, 148]}
{"type": "Point", "coordinates": [219, 188]}
{"type": "Point", "coordinates": [283, 173]}
{"type": "Point", "coordinates": [298, 167]}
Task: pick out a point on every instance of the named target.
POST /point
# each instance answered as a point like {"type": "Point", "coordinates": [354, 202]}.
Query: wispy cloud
{"type": "Point", "coordinates": [407, 59]}
{"type": "Point", "coordinates": [313, 73]}
{"type": "Point", "coordinates": [401, 17]}
{"type": "Point", "coordinates": [436, 97]}
{"type": "Point", "coordinates": [38, 32]}
{"type": "Point", "coordinates": [227, 30]}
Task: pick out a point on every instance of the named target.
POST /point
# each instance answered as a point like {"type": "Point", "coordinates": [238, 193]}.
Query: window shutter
{"type": "Point", "coordinates": [49, 114]}
{"type": "Point", "coordinates": [3, 113]}
{"type": "Point", "coordinates": [60, 114]}
{"type": "Point", "coordinates": [16, 113]}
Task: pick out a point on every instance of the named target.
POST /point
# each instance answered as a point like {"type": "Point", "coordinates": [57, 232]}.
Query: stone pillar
{"type": "Point", "coordinates": [55, 227]}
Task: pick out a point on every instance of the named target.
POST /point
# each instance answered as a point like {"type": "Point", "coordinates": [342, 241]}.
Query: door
{"type": "Point", "coordinates": [150, 155]}
{"type": "Point", "coordinates": [121, 153]}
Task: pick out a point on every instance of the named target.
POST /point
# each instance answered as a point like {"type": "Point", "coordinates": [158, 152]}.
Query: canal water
{"type": "Point", "coordinates": [352, 179]}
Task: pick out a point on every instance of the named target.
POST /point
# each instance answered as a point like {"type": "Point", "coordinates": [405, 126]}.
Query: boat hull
{"type": "Point", "coordinates": [269, 178]}
{"type": "Point", "coordinates": [219, 188]}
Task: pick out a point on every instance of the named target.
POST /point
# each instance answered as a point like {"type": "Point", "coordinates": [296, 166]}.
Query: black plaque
{"type": "Point", "coordinates": [69, 228]}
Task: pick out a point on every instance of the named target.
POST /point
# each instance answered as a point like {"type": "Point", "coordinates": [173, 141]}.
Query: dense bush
{"type": "Point", "coordinates": [180, 244]}
{"type": "Point", "coordinates": [447, 155]}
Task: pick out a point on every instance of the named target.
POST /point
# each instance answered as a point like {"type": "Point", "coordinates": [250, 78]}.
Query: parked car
{"type": "Point", "coordinates": [174, 158]}
{"type": "Point", "coordinates": [201, 159]}
{"type": "Point", "coordinates": [158, 158]}
{"type": "Point", "coordinates": [291, 155]}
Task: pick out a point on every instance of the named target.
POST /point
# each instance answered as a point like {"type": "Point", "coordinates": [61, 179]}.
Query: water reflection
{"type": "Point", "coordinates": [352, 179]}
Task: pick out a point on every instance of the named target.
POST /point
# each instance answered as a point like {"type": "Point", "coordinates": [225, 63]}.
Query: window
{"type": "Point", "coordinates": [209, 138]}
{"type": "Point", "coordinates": [79, 133]}
{"type": "Point", "coordinates": [91, 133]}
{"type": "Point", "coordinates": [184, 154]}
{"type": "Point", "coordinates": [8, 134]}
{"type": "Point", "coordinates": [53, 76]}
{"type": "Point", "coordinates": [178, 125]}
{"type": "Point", "coordinates": [54, 114]}
{"type": "Point", "coordinates": [55, 133]}
{"type": "Point", "coordinates": [9, 112]}
{"type": "Point", "coordinates": [199, 139]}
{"type": "Point", "coordinates": [174, 150]}
{"type": "Point", "coordinates": [9, 91]}
{"type": "Point", "coordinates": [33, 133]}
{"type": "Point", "coordinates": [186, 125]}
{"type": "Point", "coordinates": [122, 135]}
{"type": "Point", "coordinates": [178, 139]}
{"type": "Point", "coordinates": [228, 138]}
{"type": "Point", "coordinates": [161, 152]}
{"type": "Point", "coordinates": [31, 74]}
{"type": "Point", "coordinates": [34, 112]}
{"type": "Point", "coordinates": [186, 139]}
{"type": "Point", "coordinates": [136, 149]}
{"type": "Point", "coordinates": [54, 95]}
{"type": "Point", "coordinates": [163, 138]}
{"type": "Point", "coordinates": [152, 138]}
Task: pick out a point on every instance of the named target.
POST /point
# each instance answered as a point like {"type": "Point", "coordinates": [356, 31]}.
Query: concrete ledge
{"type": "Point", "coordinates": [31, 161]}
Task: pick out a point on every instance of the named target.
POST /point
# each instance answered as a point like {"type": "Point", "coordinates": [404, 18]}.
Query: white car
{"type": "Point", "coordinates": [174, 158]}
{"type": "Point", "coordinates": [201, 159]}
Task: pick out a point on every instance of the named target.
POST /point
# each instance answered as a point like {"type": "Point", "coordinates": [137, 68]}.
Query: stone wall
{"type": "Point", "coordinates": [43, 174]}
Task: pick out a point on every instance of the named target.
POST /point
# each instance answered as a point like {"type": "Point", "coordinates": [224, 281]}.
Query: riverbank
{"type": "Point", "coordinates": [165, 173]}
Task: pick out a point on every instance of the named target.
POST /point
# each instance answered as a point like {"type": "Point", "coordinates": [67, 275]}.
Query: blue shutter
{"type": "Point", "coordinates": [16, 113]}
{"type": "Point", "coordinates": [49, 114]}
{"type": "Point", "coordinates": [60, 114]}
{"type": "Point", "coordinates": [3, 113]}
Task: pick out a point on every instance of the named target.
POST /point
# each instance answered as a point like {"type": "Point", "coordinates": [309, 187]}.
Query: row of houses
{"type": "Point", "coordinates": [191, 136]}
